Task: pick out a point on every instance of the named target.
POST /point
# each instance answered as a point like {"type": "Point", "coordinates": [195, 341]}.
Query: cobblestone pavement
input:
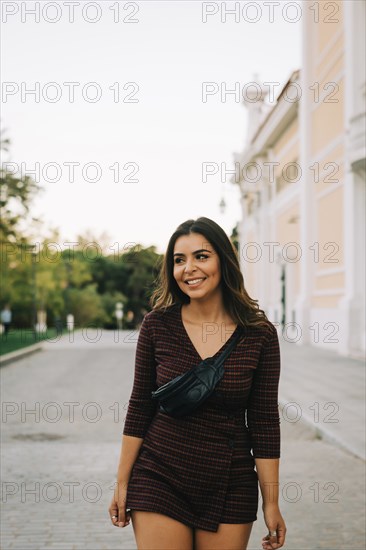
{"type": "Point", "coordinates": [62, 418]}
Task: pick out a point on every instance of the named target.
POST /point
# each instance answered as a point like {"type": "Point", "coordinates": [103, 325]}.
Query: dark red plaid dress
{"type": "Point", "coordinates": [200, 469]}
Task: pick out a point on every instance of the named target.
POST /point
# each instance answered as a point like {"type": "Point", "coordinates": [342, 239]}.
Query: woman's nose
{"type": "Point", "coordinates": [189, 266]}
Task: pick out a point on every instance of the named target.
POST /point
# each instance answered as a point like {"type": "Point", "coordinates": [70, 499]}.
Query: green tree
{"type": "Point", "coordinates": [18, 282]}
{"type": "Point", "coordinates": [87, 306]}
{"type": "Point", "coordinates": [16, 194]}
{"type": "Point", "coordinates": [142, 268]}
{"type": "Point", "coordinates": [17, 269]}
{"type": "Point", "coordinates": [131, 275]}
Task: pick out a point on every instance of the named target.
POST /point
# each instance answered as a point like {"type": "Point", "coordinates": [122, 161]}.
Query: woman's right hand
{"type": "Point", "coordinates": [118, 506]}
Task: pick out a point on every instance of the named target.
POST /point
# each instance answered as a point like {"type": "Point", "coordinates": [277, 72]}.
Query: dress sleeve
{"type": "Point", "coordinates": [263, 419]}
{"type": "Point", "coordinates": [141, 407]}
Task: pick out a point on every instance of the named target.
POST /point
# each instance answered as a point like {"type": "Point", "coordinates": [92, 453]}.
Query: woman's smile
{"type": "Point", "coordinates": [194, 283]}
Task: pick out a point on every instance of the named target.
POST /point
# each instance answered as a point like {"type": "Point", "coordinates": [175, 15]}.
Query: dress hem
{"type": "Point", "coordinates": [196, 525]}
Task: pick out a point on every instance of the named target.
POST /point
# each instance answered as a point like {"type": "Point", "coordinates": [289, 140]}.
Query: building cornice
{"type": "Point", "coordinates": [274, 124]}
{"type": "Point", "coordinates": [281, 104]}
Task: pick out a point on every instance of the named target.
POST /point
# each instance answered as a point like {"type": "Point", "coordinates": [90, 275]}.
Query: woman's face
{"type": "Point", "coordinates": [196, 266]}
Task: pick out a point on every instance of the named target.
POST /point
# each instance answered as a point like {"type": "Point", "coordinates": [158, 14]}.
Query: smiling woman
{"type": "Point", "coordinates": [193, 267]}
{"type": "Point", "coordinates": [192, 482]}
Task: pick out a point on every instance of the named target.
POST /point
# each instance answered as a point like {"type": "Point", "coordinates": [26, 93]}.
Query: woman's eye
{"type": "Point", "coordinates": [199, 257]}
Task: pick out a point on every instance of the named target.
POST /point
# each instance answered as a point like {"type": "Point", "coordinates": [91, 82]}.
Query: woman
{"type": "Point", "coordinates": [192, 482]}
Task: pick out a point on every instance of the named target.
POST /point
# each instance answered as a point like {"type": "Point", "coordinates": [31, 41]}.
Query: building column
{"type": "Point", "coordinates": [306, 190]}
{"type": "Point", "coordinates": [264, 265]}
{"type": "Point", "coordinates": [352, 305]}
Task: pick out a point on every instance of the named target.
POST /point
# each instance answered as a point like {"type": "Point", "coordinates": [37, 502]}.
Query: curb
{"type": "Point", "coordinates": [324, 434]}
{"type": "Point", "coordinates": [13, 356]}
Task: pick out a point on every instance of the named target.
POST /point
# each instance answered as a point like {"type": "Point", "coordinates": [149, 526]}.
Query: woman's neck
{"type": "Point", "coordinates": [211, 310]}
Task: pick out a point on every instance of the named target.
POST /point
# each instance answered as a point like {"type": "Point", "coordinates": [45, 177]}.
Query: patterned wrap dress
{"type": "Point", "coordinates": [200, 469]}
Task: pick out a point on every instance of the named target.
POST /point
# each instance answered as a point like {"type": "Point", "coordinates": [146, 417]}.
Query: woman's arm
{"type": "Point", "coordinates": [117, 510]}
{"type": "Point", "coordinates": [268, 477]}
{"type": "Point", "coordinates": [141, 410]}
{"type": "Point", "coordinates": [263, 418]}
{"type": "Point", "coordinates": [268, 474]}
{"type": "Point", "coordinates": [141, 407]}
{"type": "Point", "coordinates": [263, 422]}
{"type": "Point", "coordinates": [129, 452]}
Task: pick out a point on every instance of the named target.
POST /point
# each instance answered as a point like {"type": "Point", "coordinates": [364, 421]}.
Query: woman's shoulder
{"type": "Point", "coordinates": [266, 330]}
{"type": "Point", "coordinates": [158, 315]}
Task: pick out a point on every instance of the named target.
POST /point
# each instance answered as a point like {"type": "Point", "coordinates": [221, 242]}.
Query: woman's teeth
{"type": "Point", "coordinates": [194, 282]}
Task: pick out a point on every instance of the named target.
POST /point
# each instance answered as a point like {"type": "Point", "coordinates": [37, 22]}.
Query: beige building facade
{"type": "Point", "coordinates": [302, 186]}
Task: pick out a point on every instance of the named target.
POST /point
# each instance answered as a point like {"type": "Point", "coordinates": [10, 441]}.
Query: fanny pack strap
{"type": "Point", "coordinates": [223, 356]}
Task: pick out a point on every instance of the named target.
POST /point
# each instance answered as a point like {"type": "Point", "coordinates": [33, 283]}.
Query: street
{"type": "Point", "coordinates": [62, 418]}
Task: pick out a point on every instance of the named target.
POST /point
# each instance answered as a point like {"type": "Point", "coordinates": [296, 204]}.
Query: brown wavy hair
{"type": "Point", "coordinates": [241, 307]}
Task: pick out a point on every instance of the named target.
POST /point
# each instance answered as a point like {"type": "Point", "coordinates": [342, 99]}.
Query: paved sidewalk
{"type": "Point", "coordinates": [327, 391]}
{"type": "Point", "coordinates": [13, 356]}
{"type": "Point", "coordinates": [317, 386]}
{"type": "Point", "coordinates": [63, 415]}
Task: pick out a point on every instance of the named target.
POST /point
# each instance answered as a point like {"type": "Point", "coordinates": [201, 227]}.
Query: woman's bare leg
{"type": "Point", "coordinates": [229, 536]}
{"type": "Point", "coordinates": [159, 532]}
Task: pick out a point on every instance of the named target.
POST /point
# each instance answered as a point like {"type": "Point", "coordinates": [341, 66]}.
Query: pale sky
{"type": "Point", "coordinates": [164, 137]}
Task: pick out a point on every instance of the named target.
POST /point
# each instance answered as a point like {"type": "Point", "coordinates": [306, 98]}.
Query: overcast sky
{"type": "Point", "coordinates": [159, 130]}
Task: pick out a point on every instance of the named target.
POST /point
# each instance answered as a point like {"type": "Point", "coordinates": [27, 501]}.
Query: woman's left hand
{"type": "Point", "coordinates": [275, 523]}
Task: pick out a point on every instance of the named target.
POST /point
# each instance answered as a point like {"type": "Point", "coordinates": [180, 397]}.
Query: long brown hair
{"type": "Point", "coordinates": [241, 307]}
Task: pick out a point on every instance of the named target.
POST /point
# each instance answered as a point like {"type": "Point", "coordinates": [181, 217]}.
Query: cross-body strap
{"type": "Point", "coordinates": [223, 356]}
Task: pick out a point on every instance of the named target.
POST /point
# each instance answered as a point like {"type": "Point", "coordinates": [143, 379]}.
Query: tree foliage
{"type": "Point", "coordinates": [16, 194]}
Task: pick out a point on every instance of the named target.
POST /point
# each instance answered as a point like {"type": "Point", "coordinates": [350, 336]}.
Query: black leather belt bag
{"type": "Point", "coordinates": [186, 392]}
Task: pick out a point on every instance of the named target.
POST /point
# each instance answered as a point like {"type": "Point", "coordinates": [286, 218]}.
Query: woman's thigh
{"type": "Point", "coordinates": [229, 536]}
{"type": "Point", "coordinates": [159, 532]}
